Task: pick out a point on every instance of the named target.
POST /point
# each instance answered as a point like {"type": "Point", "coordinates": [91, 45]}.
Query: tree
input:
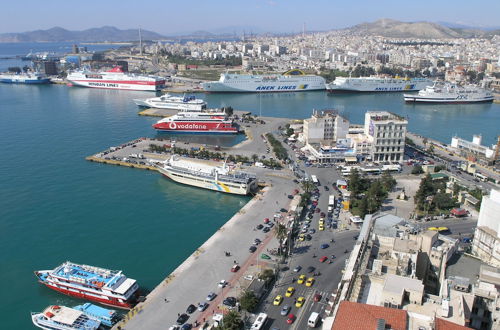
{"type": "Point", "coordinates": [280, 232]}
{"type": "Point", "coordinates": [363, 207]}
{"type": "Point", "coordinates": [417, 169]}
{"type": "Point", "coordinates": [387, 181]}
{"type": "Point", "coordinates": [267, 275]}
{"type": "Point", "coordinates": [430, 149]}
{"type": "Point", "coordinates": [308, 186]}
{"type": "Point", "coordinates": [425, 190]}
{"type": "Point", "coordinates": [255, 157]}
{"type": "Point", "coordinates": [425, 141]}
{"type": "Point", "coordinates": [355, 185]}
{"type": "Point", "coordinates": [374, 196]}
{"type": "Point", "coordinates": [248, 301]}
{"type": "Point", "coordinates": [232, 321]}
{"type": "Point", "coordinates": [443, 201]}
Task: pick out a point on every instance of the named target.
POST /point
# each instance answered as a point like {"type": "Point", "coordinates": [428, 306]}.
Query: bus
{"type": "Point", "coordinates": [259, 322]}
{"type": "Point", "coordinates": [481, 177]}
{"type": "Point", "coordinates": [314, 179]}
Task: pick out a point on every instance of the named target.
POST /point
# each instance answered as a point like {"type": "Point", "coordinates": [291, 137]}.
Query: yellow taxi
{"type": "Point", "coordinates": [290, 291]}
{"type": "Point", "coordinates": [302, 237]}
{"type": "Point", "coordinates": [321, 227]}
{"type": "Point", "coordinates": [300, 302]}
{"type": "Point", "coordinates": [302, 279]}
{"type": "Point", "coordinates": [310, 281]}
{"type": "Point", "coordinates": [277, 301]}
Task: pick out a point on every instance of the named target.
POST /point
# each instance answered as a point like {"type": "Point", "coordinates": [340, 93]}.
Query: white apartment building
{"type": "Point", "coordinates": [486, 244]}
{"type": "Point", "coordinates": [388, 131]}
{"type": "Point", "coordinates": [325, 125]}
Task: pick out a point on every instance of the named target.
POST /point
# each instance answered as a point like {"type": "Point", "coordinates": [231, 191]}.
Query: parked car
{"type": "Point", "coordinates": [252, 249]}
{"type": "Point", "coordinates": [211, 296]}
{"type": "Point", "coordinates": [182, 319]}
{"type": "Point", "coordinates": [297, 269]}
{"type": "Point", "coordinates": [191, 308]}
{"type": "Point", "coordinates": [235, 268]}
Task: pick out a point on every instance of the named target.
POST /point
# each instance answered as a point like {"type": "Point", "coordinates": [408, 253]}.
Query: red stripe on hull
{"type": "Point", "coordinates": [216, 127]}
{"type": "Point", "coordinates": [129, 82]}
{"type": "Point", "coordinates": [89, 297]}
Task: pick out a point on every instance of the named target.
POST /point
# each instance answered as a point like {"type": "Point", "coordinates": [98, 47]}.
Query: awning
{"type": "Point", "coordinates": [351, 159]}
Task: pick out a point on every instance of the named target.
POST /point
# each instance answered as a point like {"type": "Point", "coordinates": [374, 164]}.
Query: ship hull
{"type": "Point", "coordinates": [376, 88]}
{"type": "Point", "coordinates": [117, 84]}
{"type": "Point", "coordinates": [195, 127]}
{"type": "Point", "coordinates": [25, 81]}
{"type": "Point", "coordinates": [166, 105]}
{"type": "Point", "coordinates": [206, 183]}
{"type": "Point", "coordinates": [417, 99]}
{"type": "Point", "coordinates": [263, 87]}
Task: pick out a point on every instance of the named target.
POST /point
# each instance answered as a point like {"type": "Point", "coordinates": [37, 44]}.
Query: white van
{"type": "Point", "coordinates": [313, 320]}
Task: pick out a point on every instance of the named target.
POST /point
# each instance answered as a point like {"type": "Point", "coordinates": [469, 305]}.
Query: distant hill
{"type": "Point", "coordinates": [58, 34]}
{"type": "Point", "coordinates": [396, 29]}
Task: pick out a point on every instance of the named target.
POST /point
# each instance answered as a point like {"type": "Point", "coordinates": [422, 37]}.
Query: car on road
{"type": "Point", "coordinates": [252, 249]}
{"type": "Point", "coordinates": [302, 279]}
{"type": "Point", "coordinates": [317, 210]}
{"type": "Point", "coordinates": [300, 302]}
{"type": "Point", "coordinates": [266, 229]}
{"type": "Point", "coordinates": [266, 220]}
{"type": "Point", "coordinates": [182, 319]}
{"type": "Point", "coordinates": [259, 226]}
{"type": "Point", "coordinates": [297, 269]}
{"type": "Point", "coordinates": [257, 241]}
{"type": "Point", "coordinates": [270, 225]}
{"type": "Point", "coordinates": [310, 269]}
{"type": "Point", "coordinates": [202, 306]}
{"type": "Point", "coordinates": [285, 310]}
{"type": "Point", "coordinates": [277, 301]}
{"type": "Point", "coordinates": [229, 302]}
{"type": "Point", "coordinates": [222, 284]}
{"type": "Point", "coordinates": [324, 246]}
{"type": "Point", "coordinates": [283, 210]}
{"type": "Point", "coordinates": [211, 296]}
{"type": "Point", "coordinates": [310, 281]}
{"type": "Point", "coordinates": [289, 292]}
{"type": "Point", "coordinates": [235, 268]}
{"type": "Point", "coordinates": [312, 231]}
{"type": "Point", "coordinates": [317, 297]}
{"type": "Point", "coordinates": [321, 227]}
{"type": "Point", "coordinates": [291, 318]}
{"type": "Point", "coordinates": [191, 308]}
{"type": "Point", "coordinates": [323, 259]}
{"type": "Point", "coordinates": [322, 214]}
{"type": "Point", "coordinates": [187, 326]}
{"type": "Point", "coordinates": [309, 237]}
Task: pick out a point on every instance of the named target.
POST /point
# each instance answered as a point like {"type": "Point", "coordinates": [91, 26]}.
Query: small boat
{"type": "Point", "coordinates": [107, 317]}
{"type": "Point", "coordinates": [173, 102]}
{"type": "Point", "coordinates": [64, 318]}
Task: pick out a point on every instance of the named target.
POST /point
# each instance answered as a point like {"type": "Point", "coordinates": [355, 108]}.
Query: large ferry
{"type": "Point", "coordinates": [173, 102]}
{"type": "Point", "coordinates": [116, 78]}
{"type": "Point", "coordinates": [291, 81]}
{"type": "Point", "coordinates": [24, 78]}
{"type": "Point", "coordinates": [206, 121]}
{"type": "Point", "coordinates": [377, 84]}
{"type": "Point", "coordinates": [450, 93]}
{"type": "Point", "coordinates": [101, 285]}
{"type": "Point", "coordinates": [64, 318]}
{"type": "Point", "coordinates": [208, 175]}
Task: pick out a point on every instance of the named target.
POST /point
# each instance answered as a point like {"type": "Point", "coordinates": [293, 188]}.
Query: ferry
{"type": "Point", "coordinates": [64, 318]}
{"type": "Point", "coordinates": [107, 317]}
{"type": "Point", "coordinates": [172, 102]}
{"type": "Point", "coordinates": [116, 78]}
{"type": "Point", "coordinates": [291, 81]}
{"type": "Point", "coordinates": [24, 78]}
{"type": "Point", "coordinates": [450, 93]}
{"type": "Point", "coordinates": [208, 175]}
{"type": "Point", "coordinates": [108, 287]}
{"type": "Point", "coordinates": [377, 84]}
{"type": "Point", "coordinates": [206, 122]}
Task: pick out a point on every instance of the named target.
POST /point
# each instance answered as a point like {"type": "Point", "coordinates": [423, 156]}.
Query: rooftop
{"type": "Point", "coordinates": [385, 116]}
{"type": "Point", "coordinates": [398, 284]}
{"type": "Point", "coordinates": [463, 266]}
{"type": "Point", "coordinates": [356, 316]}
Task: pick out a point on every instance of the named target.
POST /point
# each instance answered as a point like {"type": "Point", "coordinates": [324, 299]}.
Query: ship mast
{"type": "Point", "coordinates": [140, 41]}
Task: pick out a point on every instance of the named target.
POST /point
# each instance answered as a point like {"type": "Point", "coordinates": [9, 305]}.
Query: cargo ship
{"type": "Point", "coordinates": [100, 285]}
{"type": "Point", "coordinates": [450, 93]}
{"type": "Point", "coordinates": [172, 102]}
{"type": "Point", "coordinates": [208, 175]}
{"type": "Point", "coordinates": [206, 122]}
{"type": "Point", "coordinates": [291, 81]}
{"type": "Point", "coordinates": [377, 84]}
{"type": "Point", "coordinates": [24, 78]}
{"type": "Point", "coordinates": [64, 318]}
{"type": "Point", "coordinates": [116, 78]}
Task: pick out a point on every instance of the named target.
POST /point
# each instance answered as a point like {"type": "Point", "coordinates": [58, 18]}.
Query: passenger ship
{"type": "Point", "coordinates": [208, 175]}
{"type": "Point", "coordinates": [377, 84]}
{"type": "Point", "coordinates": [24, 78]}
{"type": "Point", "coordinates": [64, 318]}
{"type": "Point", "coordinates": [173, 102]}
{"type": "Point", "coordinates": [291, 81]}
{"type": "Point", "coordinates": [116, 78]}
{"type": "Point", "coordinates": [450, 93]}
{"type": "Point", "coordinates": [206, 121]}
{"type": "Point", "coordinates": [101, 285]}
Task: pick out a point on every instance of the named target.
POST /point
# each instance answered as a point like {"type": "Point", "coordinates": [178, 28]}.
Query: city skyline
{"type": "Point", "coordinates": [224, 16]}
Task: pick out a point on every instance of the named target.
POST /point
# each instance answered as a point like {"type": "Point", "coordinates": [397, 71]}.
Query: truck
{"type": "Point", "coordinates": [259, 322]}
{"type": "Point", "coordinates": [313, 320]}
{"type": "Point", "coordinates": [314, 179]}
{"type": "Point", "coordinates": [331, 200]}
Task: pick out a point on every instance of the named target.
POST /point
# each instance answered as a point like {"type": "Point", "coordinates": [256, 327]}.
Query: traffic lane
{"type": "Point", "coordinates": [455, 226]}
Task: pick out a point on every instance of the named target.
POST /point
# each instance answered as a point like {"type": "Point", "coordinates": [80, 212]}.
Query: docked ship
{"type": "Point", "coordinates": [24, 78]}
{"type": "Point", "coordinates": [208, 175]}
{"type": "Point", "coordinates": [64, 318]}
{"type": "Point", "coordinates": [107, 317]}
{"type": "Point", "coordinates": [377, 84]}
{"type": "Point", "coordinates": [291, 81]}
{"type": "Point", "coordinates": [116, 78]}
{"type": "Point", "coordinates": [100, 285]}
{"type": "Point", "coordinates": [206, 122]}
{"type": "Point", "coordinates": [450, 93]}
{"type": "Point", "coordinates": [172, 102]}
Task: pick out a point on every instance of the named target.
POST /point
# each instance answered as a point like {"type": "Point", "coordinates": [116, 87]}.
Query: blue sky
{"type": "Point", "coordinates": [170, 17]}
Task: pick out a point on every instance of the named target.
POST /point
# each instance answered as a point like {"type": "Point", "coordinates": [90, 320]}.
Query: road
{"type": "Point", "coordinates": [458, 227]}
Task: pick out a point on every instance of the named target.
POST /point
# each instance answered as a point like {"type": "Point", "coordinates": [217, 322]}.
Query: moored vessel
{"type": "Point", "coordinates": [291, 81]}
{"type": "Point", "coordinates": [64, 318]}
{"type": "Point", "coordinates": [442, 92]}
{"type": "Point", "coordinates": [108, 287]}
{"type": "Point", "coordinates": [33, 78]}
{"type": "Point", "coordinates": [206, 122]}
{"type": "Point", "coordinates": [208, 175]}
{"type": "Point", "coordinates": [107, 317]}
{"type": "Point", "coordinates": [172, 102]}
{"type": "Point", "coordinates": [116, 78]}
{"type": "Point", "coordinates": [377, 84]}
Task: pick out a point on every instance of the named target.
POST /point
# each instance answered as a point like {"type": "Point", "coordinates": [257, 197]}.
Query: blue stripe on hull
{"type": "Point", "coordinates": [30, 82]}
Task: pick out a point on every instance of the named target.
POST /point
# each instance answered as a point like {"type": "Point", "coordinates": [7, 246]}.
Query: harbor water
{"type": "Point", "coordinates": [55, 206]}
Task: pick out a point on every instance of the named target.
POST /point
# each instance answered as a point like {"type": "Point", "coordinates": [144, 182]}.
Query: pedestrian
{"type": "Point", "coordinates": [235, 261]}
{"type": "Point", "coordinates": [165, 299]}
{"type": "Point", "coordinates": [178, 314]}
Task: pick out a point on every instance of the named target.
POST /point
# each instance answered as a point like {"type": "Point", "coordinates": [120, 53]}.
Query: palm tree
{"type": "Point", "coordinates": [232, 321]}
{"type": "Point", "coordinates": [308, 186]}
{"type": "Point", "coordinates": [281, 233]}
{"type": "Point", "coordinates": [255, 157]}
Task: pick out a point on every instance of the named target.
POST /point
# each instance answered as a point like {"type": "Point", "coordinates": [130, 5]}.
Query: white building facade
{"type": "Point", "coordinates": [486, 244]}
{"type": "Point", "coordinates": [388, 132]}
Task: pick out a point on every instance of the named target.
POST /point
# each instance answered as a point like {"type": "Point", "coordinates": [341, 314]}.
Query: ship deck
{"type": "Point", "coordinates": [90, 275]}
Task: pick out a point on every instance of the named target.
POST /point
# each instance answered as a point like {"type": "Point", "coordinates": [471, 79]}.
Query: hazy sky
{"type": "Point", "coordinates": [169, 17]}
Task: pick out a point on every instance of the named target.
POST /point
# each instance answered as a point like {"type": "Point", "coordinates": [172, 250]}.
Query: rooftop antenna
{"type": "Point", "coordinates": [140, 41]}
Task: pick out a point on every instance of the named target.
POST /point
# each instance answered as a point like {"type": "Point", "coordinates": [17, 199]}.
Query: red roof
{"type": "Point", "coordinates": [355, 316]}
{"type": "Point", "coordinates": [441, 324]}
{"type": "Point", "coordinates": [457, 211]}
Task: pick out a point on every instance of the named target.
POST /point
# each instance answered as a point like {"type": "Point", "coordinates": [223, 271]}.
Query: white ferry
{"type": "Point", "coordinates": [116, 78]}
{"type": "Point", "coordinates": [173, 102]}
{"type": "Point", "coordinates": [377, 84]}
{"type": "Point", "coordinates": [208, 175]}
{"type": "Point", "coordinates": [450, 93]}
{"type": "Point", "coordinates": [64, 318]}
{"type": "Point", "coordinates": [291, 81]}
